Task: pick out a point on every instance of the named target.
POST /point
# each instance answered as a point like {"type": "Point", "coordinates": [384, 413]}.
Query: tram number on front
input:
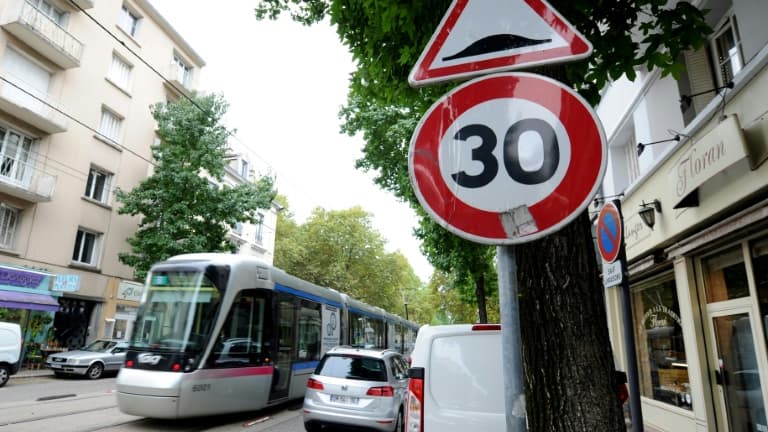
{"type": "Point", "coordinates": [511, 152]}
{"type": "Point", "coordinates": [201, 387]}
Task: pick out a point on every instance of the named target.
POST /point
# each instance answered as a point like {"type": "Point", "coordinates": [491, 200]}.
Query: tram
{"type": "Point", "coordinates": [222, 333]}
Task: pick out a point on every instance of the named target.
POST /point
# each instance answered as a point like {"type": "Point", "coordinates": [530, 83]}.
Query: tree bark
{"type": "Point", "coordinates": [482, 313]}
{"type": "Point", "coordinates": [567, 357]}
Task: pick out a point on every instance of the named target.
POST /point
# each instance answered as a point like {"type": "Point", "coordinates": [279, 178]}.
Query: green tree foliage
{"type": "Point", "coordinates": [340, 249]}
{"type": "Point", "coordinates": [179, 211]}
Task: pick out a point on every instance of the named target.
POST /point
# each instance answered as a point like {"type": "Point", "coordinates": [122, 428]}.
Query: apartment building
{"type": "Point", "coordinates": [75, 125]}
{"type": "Point", "coordinates": [688, 158]}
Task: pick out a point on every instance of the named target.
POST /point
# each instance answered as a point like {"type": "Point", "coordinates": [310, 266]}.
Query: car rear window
{"type": "Point", "coordinates": [352, 367]}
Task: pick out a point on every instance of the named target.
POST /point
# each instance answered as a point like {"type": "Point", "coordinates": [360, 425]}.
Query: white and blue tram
{"type": "Point", "coordinates": [222, 333]}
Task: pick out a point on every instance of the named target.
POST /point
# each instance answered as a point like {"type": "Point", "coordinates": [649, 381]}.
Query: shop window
{"type": "Point", "coordinates": [662, 362]}
{"type": "Point", "coordinates": [725, 276]}
{"type": "Point", "coordinates": [759, 253]}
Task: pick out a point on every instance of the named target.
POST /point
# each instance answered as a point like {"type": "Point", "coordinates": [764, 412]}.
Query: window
{"type": "Point", "coordinates": [15, 156]}
{"type": "Point", "coordinates": [239, 228]}
{"type": "Point", "coordinates": [110, 125]}
{"type": "Point", "coordinates": [711, 66]}
{"type": "Point", "coordinates": [50, 11]}
{"type": "Point", "coordinates": [244, 168]}
{"type": "Point", "coordinates": [129, 21]}
{"type": "Point", "coordinates": [182, 72]}
{"type": "Point", "coordinates": [259, 228]}
{"type": "Point", "coordinates": [9, 219]}
{"type": "Point", "coordinates": [726, 46]}
{"type": "Point", "coordinates": [86, 247]}
{"type": "Point", "coordinates": [633, 165]}
{"type": "Point", "coordinates": [242, 341]}
{"type": "Point", "coordinates": [663, 367]}
{"type": "Point", "coordinates": [29, 76]}
{"type": "Point", "coordinates": [97, 187]}
{"type": "Point", "coordinates": [120, 72]}
{"type": "Point", "coordinates": [310, 331]}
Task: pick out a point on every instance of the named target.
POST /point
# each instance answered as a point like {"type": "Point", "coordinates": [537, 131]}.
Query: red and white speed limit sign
{"type": "Point", "coordinates": [507, 158]}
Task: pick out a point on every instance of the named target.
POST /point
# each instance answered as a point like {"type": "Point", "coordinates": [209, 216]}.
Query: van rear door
{"type": "Point", "coordinates": [464, 383]}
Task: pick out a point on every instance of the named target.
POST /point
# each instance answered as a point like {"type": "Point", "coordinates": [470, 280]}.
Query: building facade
{"type": "Point", "coordinates": [690, 155]}
{"type": "Point", "coordinates": [74, 126]}
{"type": "Point", "coordinates": [254, 239]}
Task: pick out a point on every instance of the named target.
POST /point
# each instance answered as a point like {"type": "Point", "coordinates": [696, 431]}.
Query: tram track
{"type": "Point", "coordinates": [100, 413]}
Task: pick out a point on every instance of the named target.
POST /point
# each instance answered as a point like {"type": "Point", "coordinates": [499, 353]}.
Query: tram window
{"type": "Point", "coordinates": [357, 324]}
{"type": "Point", "coordinates": [241, 340]}
{"type": "Point", "coordinates": [310, 324]}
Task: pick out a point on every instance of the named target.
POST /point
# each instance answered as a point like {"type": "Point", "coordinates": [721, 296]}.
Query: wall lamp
{"type": "Point", "coordinates": [641, 146]}
{"type": "Point", "coordinates": [648, 212]}
{"type": "Point", "coordinates": [686, 100]}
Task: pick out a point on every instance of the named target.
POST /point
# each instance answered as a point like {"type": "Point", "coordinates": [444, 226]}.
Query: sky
{"type": "Point", "coordinates": [285, 84]}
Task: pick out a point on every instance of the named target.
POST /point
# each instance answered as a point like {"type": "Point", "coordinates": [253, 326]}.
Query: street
{"type": "Point", "coordinates": [78, 405]}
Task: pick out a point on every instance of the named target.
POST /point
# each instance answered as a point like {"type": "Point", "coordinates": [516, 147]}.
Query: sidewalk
{"type": "Point", "coordinates": [31, 373]}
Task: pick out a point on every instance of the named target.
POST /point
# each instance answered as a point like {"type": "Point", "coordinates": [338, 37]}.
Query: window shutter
{"type": "Point", "coordinates": [699, 77]}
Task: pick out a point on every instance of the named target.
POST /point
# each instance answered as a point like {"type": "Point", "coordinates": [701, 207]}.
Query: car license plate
{"type": "Point", "coordinates": [55, 366]}
{"type": "Point", "coordinates": [344, 399]}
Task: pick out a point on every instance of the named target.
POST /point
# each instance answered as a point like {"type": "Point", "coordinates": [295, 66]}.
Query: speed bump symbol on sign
{"type": "Point", "coordinates": [507, 158]}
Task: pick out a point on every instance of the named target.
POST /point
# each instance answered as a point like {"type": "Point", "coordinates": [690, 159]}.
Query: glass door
{"type": "Point", "coordinates": [738, 353]}
{"type": "Point", "coordinates": [737, 373]}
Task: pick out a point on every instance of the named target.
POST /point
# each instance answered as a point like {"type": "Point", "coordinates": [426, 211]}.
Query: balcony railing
{"type": "Point", "coordinates": [44, 35]}
{"type": "Point", "coordinates": [30, 105]}
{"type": "Point", "coordinates": [24, 180]}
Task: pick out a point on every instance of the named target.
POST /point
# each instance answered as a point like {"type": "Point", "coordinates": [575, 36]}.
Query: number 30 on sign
{"type": "Point", "coordinates": [507, 158]}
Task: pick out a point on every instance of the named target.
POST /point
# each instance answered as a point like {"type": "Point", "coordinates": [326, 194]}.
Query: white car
{"type": "Point", "coordinates": [356, 387]}
{"type": "Point", "coordinates": [456, 380]}
{"type": "Point", "coordinates": [10, 350]}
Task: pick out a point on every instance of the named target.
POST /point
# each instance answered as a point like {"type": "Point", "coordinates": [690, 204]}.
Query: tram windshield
{"type": "Point", "coordinates": [178, 311]}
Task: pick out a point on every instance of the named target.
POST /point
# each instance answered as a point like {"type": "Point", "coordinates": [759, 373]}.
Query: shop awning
{"type": "Point", "coordinates": [22, 300]}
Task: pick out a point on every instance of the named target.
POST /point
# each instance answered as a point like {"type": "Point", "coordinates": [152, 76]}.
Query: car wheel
{"type": "Point", "coordinates": [312, 427]}
{"type": "Point", "coordinates": [5, 375]}
{"type": "Point", "coordinates": [400, 424]}
{"type": "Point", "coordinates": [95, 371]}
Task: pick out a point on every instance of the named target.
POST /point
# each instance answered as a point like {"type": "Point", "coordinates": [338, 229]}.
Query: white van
{"type": "Point", "coordinates": [457, 381]}
{"type": "Point", "coordinates": [10, 350]}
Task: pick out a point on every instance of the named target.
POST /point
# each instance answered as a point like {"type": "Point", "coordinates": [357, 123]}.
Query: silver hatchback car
{"type": "Point", "coordinates": [357, 387]}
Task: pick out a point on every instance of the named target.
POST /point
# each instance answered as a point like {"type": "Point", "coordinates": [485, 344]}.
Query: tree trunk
{"type": "Point", "coordinates": [567, 357]}
{"type": "Point", "coordinates": [482, 313]}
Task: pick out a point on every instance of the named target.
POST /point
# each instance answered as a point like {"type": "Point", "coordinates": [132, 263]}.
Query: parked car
{"type": "Point", "coordinates": [357, 387]}
{"type": "Point", "coordinates": [456, 380]}
{"type": "Point", "coordinates": [98, 357]}
{"type": "Point", "coordinates": [10, 350]}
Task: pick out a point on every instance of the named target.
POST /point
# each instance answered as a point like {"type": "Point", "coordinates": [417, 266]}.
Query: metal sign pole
{"type": "Point", "coordinates": [629, 338]}
{"type": "Point", "coordinates": [511, 341]}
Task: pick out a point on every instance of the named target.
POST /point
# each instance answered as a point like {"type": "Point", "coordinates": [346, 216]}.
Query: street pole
{"type": "Point", "coordinates": [635, 408]}
{"type": "Point", "coordinates": [511, 340]}
{"type": "Point", "coordinates": [406, 310]}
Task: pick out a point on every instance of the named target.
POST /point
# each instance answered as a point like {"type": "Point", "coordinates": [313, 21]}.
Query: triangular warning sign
{"type": "Point", "coordinates": [482, 36]}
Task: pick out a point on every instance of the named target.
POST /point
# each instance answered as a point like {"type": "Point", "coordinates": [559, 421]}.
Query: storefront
{"type": "Point", "coordinates": [699, 274]}
{"type": "Point", "coordinates": [26, 299]}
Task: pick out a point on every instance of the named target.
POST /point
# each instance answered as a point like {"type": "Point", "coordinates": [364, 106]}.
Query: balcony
{"type": "Point", "coordinates": [25, 181]}
{"type": "Point", "coordinates": [32, 106]}
{"type": "Point", "coordinates": [82, 4]}
{"type": "Point", "coordinates": [43, 34]}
